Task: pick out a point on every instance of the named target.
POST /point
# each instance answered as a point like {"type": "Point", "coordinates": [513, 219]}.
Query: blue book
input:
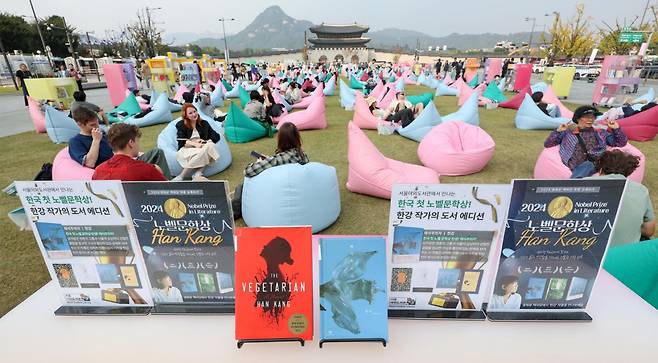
{"type": "Point", "coordinates": [353, 297]}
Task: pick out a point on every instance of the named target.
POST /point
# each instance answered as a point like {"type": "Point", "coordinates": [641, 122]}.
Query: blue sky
{"type": "Point", "coordinates": [435, 18]}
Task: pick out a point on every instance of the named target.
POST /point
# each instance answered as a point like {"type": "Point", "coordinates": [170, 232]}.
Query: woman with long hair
{"type": "Point", "coordinates": [196, 144]}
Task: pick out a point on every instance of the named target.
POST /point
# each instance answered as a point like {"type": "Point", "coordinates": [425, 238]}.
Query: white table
{"type": "Point", "coordinates": [624, 330]}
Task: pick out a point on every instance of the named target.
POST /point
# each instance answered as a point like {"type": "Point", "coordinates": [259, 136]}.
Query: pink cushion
{"type": "Point", "coordinates": [311, 118]}
{"type": "Point", "coordinates": [116, 82]}
{"type": "Point", "coordinates": [65, 168]}
{"type": "Point", "coordinates": [550, 97]}
{"type": "Point", "coordinates": [386, 100]}
{"type": "Point", "coordinates": [516, 101]}
{"type": "Point", "coordinates": [378, 91]}
{"type": "Point", "coordinates": [38, 117]}
{"type": "Point", "coordinates": [362, 116]}
{"type": "Point", "coordinates": [179, 94]}
{"type": "Point", "coordinates": [549, 164]}
{"type": "Point", "coordinates": [306, 101]}
{"type": "Point", "coordinates": [456, 148]}
{"type": "Point", "coordinates": [465, 93]}
{"type": "Point", "coordinates": [447, 80]}
{"type": "Point", "coordinates": [642, 126]}
{"type": "Point", "coordinates": [275, 82]}
{"type": "Point", "coordinates": [371, 173]}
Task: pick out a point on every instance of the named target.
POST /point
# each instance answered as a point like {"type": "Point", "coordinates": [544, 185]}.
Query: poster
{"type": "Point", "coordinates": [189, 75]}
{"type": "Point", "coordinates": [274, 279]}
{"type": "Point", "coordinates": [441, 242]}
{"type": "Point", "coordinates": [84, 232]}
{"type": "Point", "coordinates": [185, 232]}
{"type": "Point", "coordinates": [353, 303]}
{"type": "Point", "coordinates": [554, 242]}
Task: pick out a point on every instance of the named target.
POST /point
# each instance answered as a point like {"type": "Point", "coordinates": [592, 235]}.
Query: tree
{"type": "Point", "coordinates": [55, 36]}
{"type": "Point", "coordinates": [570, 38]}
{"type": "Point", "coordinates": [17, 34]}
{"type": "Point", "coordinates": [610, 43]}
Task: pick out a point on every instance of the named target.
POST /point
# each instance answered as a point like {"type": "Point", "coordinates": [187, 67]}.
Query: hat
{"type": "Point", "coordinates": [370, 100]}
{"type": "Point", "coordinates": [585, 110]}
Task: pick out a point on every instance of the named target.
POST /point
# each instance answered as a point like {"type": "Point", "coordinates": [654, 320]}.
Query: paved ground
{"type": "Point", "coordinates": [581, 90]}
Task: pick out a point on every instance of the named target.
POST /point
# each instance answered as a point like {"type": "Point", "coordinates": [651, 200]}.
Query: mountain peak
{"type": "Point", "coordinates": [274, 10]}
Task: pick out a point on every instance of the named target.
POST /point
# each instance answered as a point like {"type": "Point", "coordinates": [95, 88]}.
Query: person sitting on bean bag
{"type": "Point", "coordinates": [402, 111]}
{"type": "Point", "coordinates": [548, 108]}
{"type": "Point", "coordinates": [293, 93]}
{"type": "Point", "coordinates": [581, 145]}
{"type": "Point", "coordinates": [196, 144]}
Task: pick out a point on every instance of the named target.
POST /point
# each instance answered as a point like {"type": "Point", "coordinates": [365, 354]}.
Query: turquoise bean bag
{"type": "Point", "coordinates": [530, 117]}
{"type": "Point", "coordinates": [636, 266]}
{"type": "Point", "coordinates": [493, 93]}
{"type": "Point", "coordinates": [239, 128]}
{"type": "Point", "coordinates": [129, 106]}
{"type": "Point", "coordinates": [539, 87]}
{"type": "Point", "coordinates": [60, 128]}
{"type": "Point", "coordinates": [292, 195]}
{"type": "Point", "coordinates": [244, 97]}
{"type": "Point", "coordinates": [424, 98]}
{"type": "Point", "coordinates": [355, 83]}
{"type": "Point", "coordinates": [169, 145]}
{"type": "Point", "coordinates": [422, 124]}
{"type": "Point", "coordinates": [474, 82]}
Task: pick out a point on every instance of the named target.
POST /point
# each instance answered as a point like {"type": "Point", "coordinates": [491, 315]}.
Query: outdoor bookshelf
{"type": "Point", "coordinates": [619, 74]}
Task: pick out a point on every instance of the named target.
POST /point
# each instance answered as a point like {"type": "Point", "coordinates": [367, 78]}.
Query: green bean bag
{"type": "Point", "coordinates": [227, 85]}
{"type": "Point", "coordinates": [328, 77]}
{"type": "Point", "coordinates": [423, 98]}
{"type": "Point", "coordinates": [239, 128]}
{"type": "Point", "coordinates": [129, 105]}
{"type": "Point", "coordinates": [636, 266]}
{"type": "Point", "coordinates": [474, 82]}
{"type": "Point", "coordinates": [493, 93]}
{"type": "Point", "coordinates": [244, 96]}
{"type": "Point", "coordinates": [355, 83]}
{"type": "Point", "coordinates": [392, 79]}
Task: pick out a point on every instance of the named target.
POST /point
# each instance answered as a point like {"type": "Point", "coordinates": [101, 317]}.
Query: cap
{"type": "Point", "coordinates": [585, 110]}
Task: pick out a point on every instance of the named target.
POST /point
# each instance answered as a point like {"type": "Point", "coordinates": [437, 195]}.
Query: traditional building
{"type": "Point", "coordinates": [340, 43]}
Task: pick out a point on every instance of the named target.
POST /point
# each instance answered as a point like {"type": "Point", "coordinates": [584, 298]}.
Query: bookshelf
{"type": "Point", "coordinates": [619, 74]}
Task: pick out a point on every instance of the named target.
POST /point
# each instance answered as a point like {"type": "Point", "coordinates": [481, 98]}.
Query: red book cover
{"type": "Point", "coordinates": [274, 281]}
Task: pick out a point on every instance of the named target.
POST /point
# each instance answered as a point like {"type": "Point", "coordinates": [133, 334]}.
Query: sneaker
{"type": "Point", "coordinates": [199, 177]}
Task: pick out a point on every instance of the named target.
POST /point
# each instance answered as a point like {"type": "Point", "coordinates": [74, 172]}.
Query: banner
{"type": "Point", "coordinates": [84, 232]}
{"type": "Point", "coordinates": [185, 231]}
{"type": "Point", "coordinates": [554, 243]}
{"type": "Point", "coordinates": [189, 75]}
{"type": "Point", "coordinates": [274, 277]}
{"type": "Point", "coordinates": [442, 239]}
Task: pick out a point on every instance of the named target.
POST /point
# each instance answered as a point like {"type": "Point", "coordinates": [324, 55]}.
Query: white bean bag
{"type": "Point", "coordinates": [427, 119]}
{"type": "Point", "coordinates": [217, 97]}
{"type": "Point", "coordinates": [347, 95]}
{"type": "Point", "coordinates": [330, 86]}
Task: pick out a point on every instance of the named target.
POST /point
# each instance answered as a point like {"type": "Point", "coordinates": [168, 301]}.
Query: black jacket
{"type": "Point", "coordinates": [202, 126]}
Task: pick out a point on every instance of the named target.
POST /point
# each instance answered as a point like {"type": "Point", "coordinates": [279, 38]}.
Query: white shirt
{"type": "Point", "coordinates": [497, 302]}
{"type": "Point", "coordinates": [174, 296]}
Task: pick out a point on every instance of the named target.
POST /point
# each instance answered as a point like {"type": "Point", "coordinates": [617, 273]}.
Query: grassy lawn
{"type": "Point", "coordinates": [7, 90]}
{"type": "Point", "coordinates": [22, 270]}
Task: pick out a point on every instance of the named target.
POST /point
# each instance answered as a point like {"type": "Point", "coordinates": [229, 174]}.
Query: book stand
{"type": "Point", "coordinates": [101, 310]}
{"type": "Point", "coordinates": [556, 316]}
{"type": "Point", "coordinates": [198, 309]}
{"type": "Point", "coordinates": [437, 314]}
{"type": "Point", "coordinates": [241, 342]}
{"type": "Point", "coordinates": [364, 340]}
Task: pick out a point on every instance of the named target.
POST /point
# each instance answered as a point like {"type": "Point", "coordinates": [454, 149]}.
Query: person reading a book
{"type": "Point", "coordinates": [636, 219]}
{"type": "Point", "coordinates": [124, 165]}
{"type": "Point", "coordinates": [505, 296]}
{"type": "Point", "coordinates": [402, 111]}
{"type": "Point", "coordinates": [90, 148]}
{"type": "Point", "coordinates": [164, 290]}
{"type": "Point", "coordinates": [581, 144]}
{"type": "Point", "coordinates": [196, 144]}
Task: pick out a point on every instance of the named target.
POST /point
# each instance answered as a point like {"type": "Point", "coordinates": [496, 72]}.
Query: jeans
{"type": "Point", "coordinates": [583, 170]}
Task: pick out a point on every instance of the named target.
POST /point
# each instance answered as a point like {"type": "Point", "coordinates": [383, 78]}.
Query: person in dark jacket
{"type": "Point", "coordinates": [22, 73]}
{"type": "Point", "coordinates": [196, 144]}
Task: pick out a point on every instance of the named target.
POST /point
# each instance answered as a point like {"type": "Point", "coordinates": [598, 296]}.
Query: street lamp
{"type": "Point", "coordinates": [532, 32]}
{"type": "Point", "coordinates": [223, 20]}
{"type": "Point", "coordinates": [68, 39]}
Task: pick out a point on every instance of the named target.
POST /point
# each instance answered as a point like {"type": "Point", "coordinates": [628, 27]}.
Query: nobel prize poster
{"type": "Point", "coordinates": [185, 231]}
{"type": "Point", "coordinates": [85, 235]}
{"type": "Point", "coordinates": [554, 243]}
{"type": "Point", "coordinates": [274, 281]}
{"type": "Point", "coordinates": [442, 244]}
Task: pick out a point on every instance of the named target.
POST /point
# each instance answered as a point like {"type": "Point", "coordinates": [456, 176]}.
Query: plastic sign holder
{"type": "Point", "coordinates": [242, 342]}
{"type": "Point", "coordinates": [364, 340]}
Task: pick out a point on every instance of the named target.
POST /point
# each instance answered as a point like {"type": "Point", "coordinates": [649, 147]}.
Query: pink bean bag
{"type": "Point", "coordinates": [38, 117]}
{"type": "Point", "coordinates": [306, 101]}
{"type": "Point", "coordinates": [311, 118]}
{"type": "Point", "coordinates": [642, 126]}
{"type": "Point", "coordinates": [116, 82]}
{"type": "Point", "coordinates": [447, 80]}
{"type": "Point", "coordinates": [386, 100]}
{"type": "Point", "coordinates": [549, 164]}
{"type": "Point", "coordinates": [371, 173]}
{"type": "Point", "coordinates": [362, 116]}
{"type": "Point", "coordinates": [456, 148]}
{"type": "Point", "coordinates": [516, 101]}
{"type": "Point", "coordinates": [465, 93]}
{"type": "Point", "coordinates": [378, 90]}
{"type": "Point", "coordinates": [65, 168]}
{"type": "Point", "coordinates": [179, 94]}
{"type": "Point", "coordinates": [275, 82]}
{"type": "Point", "coordinates": [550, 97]}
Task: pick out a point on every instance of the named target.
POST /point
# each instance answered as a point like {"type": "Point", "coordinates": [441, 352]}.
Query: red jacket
{"type": "Point", "coordinates": [125, 168]}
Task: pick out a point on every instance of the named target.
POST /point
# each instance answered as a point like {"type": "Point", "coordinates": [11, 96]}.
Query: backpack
{"type": "Point", "coordinates": [46, 172]}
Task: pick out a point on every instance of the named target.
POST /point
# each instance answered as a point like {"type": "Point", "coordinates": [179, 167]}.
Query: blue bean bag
{"type": "Point", "coordinates": [233, 93]}
{"type": "Point", "coordinates": [501, 84]}
{"type": "Point", "coordinates": [399, 85]}
{"type": "Point", "coordinates": [173, 107]}
{"type": "Point", "coordinates": [292, 195]}
{"type": "Point", "coordinates": [169, 145]}
{"type": "Point", "coordinates": [467, 113]}
{"type": "Point", "coordinates": [199, 108]}
{"type": "Point", "coordinates": [250, 87]}
{"type": "Point", "coordinates": [443, 90]}
{"type": "Point", "coordinates": [161, 113]}
{"type": "Point", "coordinates": [422, 124]}
{"type": "Point", "coordinates": [647, 97]}
{"type": "Point", "coordinates": [217, 97]}
{"type": "Point", "coordinates": [634, 264]}
{"type": "Point", "coordinates": [530, 117]}
{"type": "Point", "coordinates": [422, 79]}
{"type": "Point", "coordinates": [539, 87]}
{"type": "Point", "coordinates": [285, 104]}
{"type": "Point", "coordinates": [330, 86]}
{"type": "Point", "coordinates": [347, 96]}
{"type": "Point", "coordinates": [60, 128]}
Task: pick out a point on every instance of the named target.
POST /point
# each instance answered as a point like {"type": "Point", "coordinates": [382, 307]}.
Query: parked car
{"type": "Point", "coordinates": [586, 71]}
{"type": "Point", "coordinates": [538, 68]}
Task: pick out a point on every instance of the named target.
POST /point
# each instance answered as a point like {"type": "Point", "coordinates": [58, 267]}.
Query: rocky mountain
{"type": "Point", "coordinates": [275, 29]}
{"type": "Point", "coordinates": [271, 29]}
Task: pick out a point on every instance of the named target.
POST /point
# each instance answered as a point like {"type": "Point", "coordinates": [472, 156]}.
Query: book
{"type": "Point", "coordinates": [353, 298]}
{"type": "Point", "coordinates": [273, 283]}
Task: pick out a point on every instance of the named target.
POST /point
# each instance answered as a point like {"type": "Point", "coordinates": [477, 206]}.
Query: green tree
{"type": "Point", "coordinates": [17, 34]}
{"type": "Point", "coordinates": [54, 35]}
{"type": "Point", "coordinates": [572, 37]}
